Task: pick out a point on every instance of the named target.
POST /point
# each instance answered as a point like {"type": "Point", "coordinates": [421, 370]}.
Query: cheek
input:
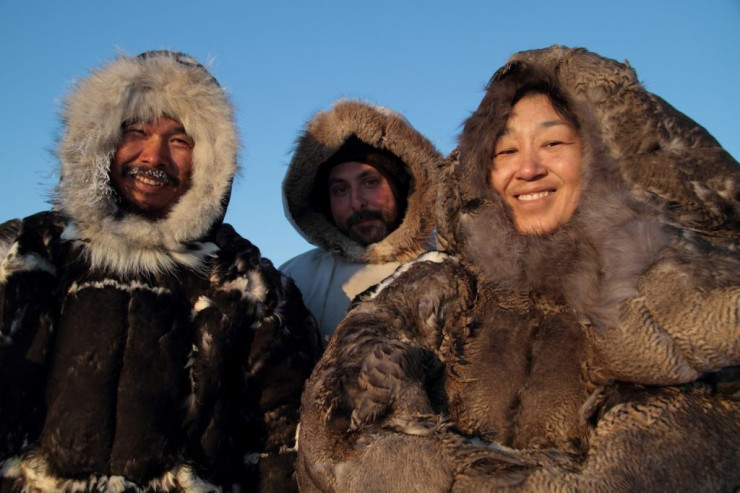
{"type": "Point", "coordinates": [384, 199]}
{"type": "Point", "coordinates": [125, 153]}
{"type": "Point", "coordinates": [572, 172]}
{"type": "Point", "coordinates": [338, 209]}
{"type": "Point", "coordinates": [184, 162]}
{"type": "Point", "coordinates": [496, 180]}
{"type": "Point", "coordinates": [186, 175]}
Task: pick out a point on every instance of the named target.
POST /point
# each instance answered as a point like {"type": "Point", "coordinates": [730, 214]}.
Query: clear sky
{"type": "Point", "coordinates": [281, 61]}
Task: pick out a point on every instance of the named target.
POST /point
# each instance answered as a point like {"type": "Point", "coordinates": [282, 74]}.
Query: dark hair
{"type": "Point", "coordinates": [559, 102]}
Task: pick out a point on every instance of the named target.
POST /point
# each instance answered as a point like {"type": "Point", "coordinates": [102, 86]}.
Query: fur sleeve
{"type": "Point", "coordinates": [27, 282]}
{"type": "Point", "coordinates": [381, 366]}
{"type": "Point", "coordinates": [683, 323]}
{"type": "Point", "coordinates": [257, 346]}
{"type": "Point", "coordinates": [286, 347]}
{"type": "Point", "coordinates": [659, 439]}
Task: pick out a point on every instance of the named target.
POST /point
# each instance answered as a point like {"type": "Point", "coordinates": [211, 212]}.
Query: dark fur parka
{"type": "Point", "coordinates": [146, 355]}
{"type": "Point", "coordinates": [600, 357]}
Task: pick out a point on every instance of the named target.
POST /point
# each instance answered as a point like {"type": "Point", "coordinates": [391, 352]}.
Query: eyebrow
{"type": "Point", "coordinates": [545, 124]}
{"type": "Point", "coordinates": [364, 174]}
{"type": "Point", "coordinates": [180, 129]}
{"type": "Point", "coordinates": [554, 123]}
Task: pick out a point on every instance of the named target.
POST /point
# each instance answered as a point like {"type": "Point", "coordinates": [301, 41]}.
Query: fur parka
{"type": "Point", "coordinates": [600, 357]}
{"type": "Point", "coordinates": [339, 268]}
{"type": "Point", "coordinates": [140, 354]}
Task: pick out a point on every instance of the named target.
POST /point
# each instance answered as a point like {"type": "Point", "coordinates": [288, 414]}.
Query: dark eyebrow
{"type": "Point", "coordinates": [180, 129]}
{"type": "Point", "coordinates": [364, 174]}
{"type": "Point", "coordinates": [545, 124]}
{"type": "Point", "coordinates": [369, 172]}
{"type": "Point", "coordinates": [555, 123]}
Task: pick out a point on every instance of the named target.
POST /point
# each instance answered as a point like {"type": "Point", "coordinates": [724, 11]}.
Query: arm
{"type": "Point", "coordinates": [283, 354]}
{"type": "Point", "coordinates": [653, 439]}
{"type": "Point", "coordinates": [27, 283]}
{"type": "Point", "coordinates": [375, 403]}
{"type": "Point", "coordinates": [684, 322]}
{"type": "Point", "coordinates": [257, 346]}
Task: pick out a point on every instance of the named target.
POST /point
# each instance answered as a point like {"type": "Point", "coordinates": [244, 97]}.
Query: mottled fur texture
{"type": "Point", "coordinates": [599, 357]}
{"type": "Point", "coordinates": [140, 89]}
{"type": "Point", "coordinates": [381, 128]}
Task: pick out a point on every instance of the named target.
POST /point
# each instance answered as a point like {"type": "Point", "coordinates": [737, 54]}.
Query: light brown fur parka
{"type": "Point", "coordinates": [600, 357]}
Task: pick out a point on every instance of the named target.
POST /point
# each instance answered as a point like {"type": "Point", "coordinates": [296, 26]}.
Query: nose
{"type": "Point", "coordinates": [357, 199]}
{"type": "Point", "coordinates": [154, 151]}
{"type": "Point", "coordinates": [530, 165]}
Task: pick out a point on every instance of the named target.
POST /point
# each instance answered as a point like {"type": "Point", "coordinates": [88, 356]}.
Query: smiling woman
{"type": "Point", "coordinates": [537, 166]}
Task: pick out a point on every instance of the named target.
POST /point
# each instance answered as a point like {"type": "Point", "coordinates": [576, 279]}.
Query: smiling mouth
{"type": "Point", "coordinates": [527, 197]}
{"type": "Point", "coordinates": [152, 177]}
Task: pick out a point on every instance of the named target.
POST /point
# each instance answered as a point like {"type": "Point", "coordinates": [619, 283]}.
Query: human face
{"type": "Point", "coordinates": [152, 166]}
{"type": "Point", "coordinates": [537, 166]}
{"type": "Point", "coordinates": [361, 201]}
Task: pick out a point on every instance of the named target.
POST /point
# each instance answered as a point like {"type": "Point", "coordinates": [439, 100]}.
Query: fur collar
{"type": "Point", "coordinates": [142, 88]}
{"type": "Point", "coordinates": [324, 134]}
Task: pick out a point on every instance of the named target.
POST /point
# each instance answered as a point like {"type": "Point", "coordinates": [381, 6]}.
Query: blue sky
{"type": "Point", "coordinates": [282, 61]}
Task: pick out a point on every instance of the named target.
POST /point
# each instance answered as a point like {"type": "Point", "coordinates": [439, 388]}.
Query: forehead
{"type": "Point", "coordinates": [535, 107]}
{"type": "Point", "coordinates": [162, 123]}
{"type": "Point", "coordinates": [351, 170]}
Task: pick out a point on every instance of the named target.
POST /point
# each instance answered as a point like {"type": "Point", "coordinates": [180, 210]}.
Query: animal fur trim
{"type": "Point", "coordinates": [140, 89]}
{"type": "Point", "coordinates": [381, 128]}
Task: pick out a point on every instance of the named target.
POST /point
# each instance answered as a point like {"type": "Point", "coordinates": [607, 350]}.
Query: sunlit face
{"type": "Point", "coordinates": [361, 201]}
{"type": "Point", "coordinates": [152, 166]}
{"type": "Point", "coordinates": [537, 166]}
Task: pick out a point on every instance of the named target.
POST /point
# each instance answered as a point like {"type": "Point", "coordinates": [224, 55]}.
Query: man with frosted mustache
{"type": "Point", "coordinates": [144, 344]}
{"type": "Point", "coordinates": [360, 187]}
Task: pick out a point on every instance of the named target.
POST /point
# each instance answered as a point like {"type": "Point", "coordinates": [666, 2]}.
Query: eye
{"type": "Point", "coordinates": [505, 152]}
{"type": "Point", "coordinates": [553, 143]}
{"type": "Point", "coordinates": [182, 141]}
{"type": "Point", "coordinates": [372, 182]}
{"type": "Point", "coordinates": [339, 190]}
{"type": "Point", "coordinates": [134, 130]}
{"type": "Point", "coordinates": [133, 133]}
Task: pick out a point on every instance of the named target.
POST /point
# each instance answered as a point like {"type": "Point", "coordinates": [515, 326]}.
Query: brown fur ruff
{"type": "Point", "coordinates": [384, 129]}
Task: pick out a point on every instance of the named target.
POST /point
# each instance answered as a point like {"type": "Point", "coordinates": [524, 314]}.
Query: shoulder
{"type": "Point", "coordinates": [32, 235]}
{"type": "Point", "coordinates": [316, 259]}
{"type": "Point", "coordinates": [227, 239]}
{"type": "Point", "coordinates": [431, 269]}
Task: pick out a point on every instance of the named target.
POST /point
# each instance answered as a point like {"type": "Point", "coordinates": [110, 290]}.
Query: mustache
{"type": "Point", "coordinates": [363, 215]}
{"type": "Point", "coordinates": [155, 173]}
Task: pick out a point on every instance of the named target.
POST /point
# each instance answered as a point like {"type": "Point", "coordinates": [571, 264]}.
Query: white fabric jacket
{"type": "Point", "coordinates": [329, 283]}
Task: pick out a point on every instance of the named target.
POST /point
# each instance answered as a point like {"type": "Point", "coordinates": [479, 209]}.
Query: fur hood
{"type": "Point", "coordinates": [142, 88]}
{"type": "Point", "coordinates": [383, 129]}
{"type": "Point", "coordinates": [647, 184]}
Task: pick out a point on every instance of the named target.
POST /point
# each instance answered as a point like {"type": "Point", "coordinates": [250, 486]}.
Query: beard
{"type": "Point", "coordinates": [366, 234]}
